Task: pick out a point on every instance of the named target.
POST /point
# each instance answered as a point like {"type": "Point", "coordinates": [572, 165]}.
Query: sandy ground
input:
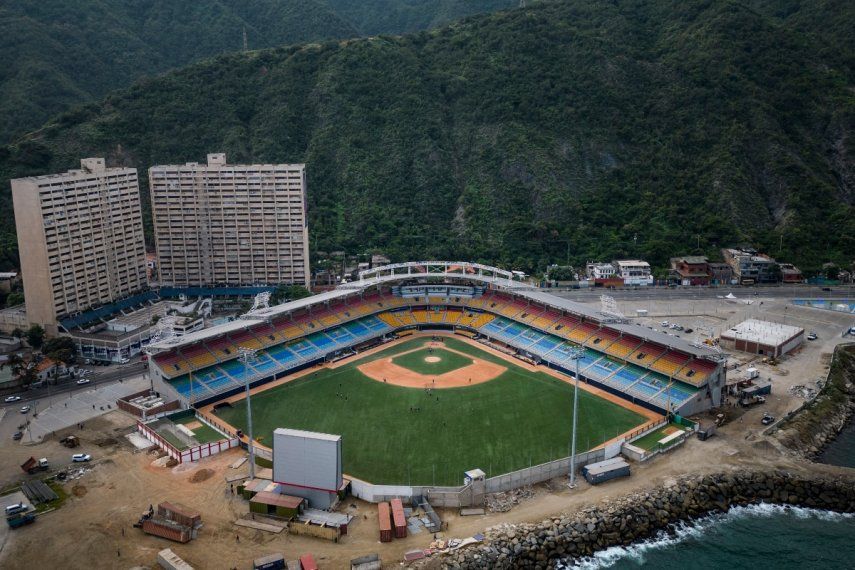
{"type": "Point", "coordinates": [87, 531]}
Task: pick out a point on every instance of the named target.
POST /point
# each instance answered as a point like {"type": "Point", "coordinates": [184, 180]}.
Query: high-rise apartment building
{"type": "Point", "coordinates": [80, 239]}
{"type": "Point", "coordinates": [220, 224]}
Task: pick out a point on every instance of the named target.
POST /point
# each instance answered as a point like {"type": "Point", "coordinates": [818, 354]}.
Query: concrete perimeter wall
{"type": "Point", "coordinates": [465, 496]}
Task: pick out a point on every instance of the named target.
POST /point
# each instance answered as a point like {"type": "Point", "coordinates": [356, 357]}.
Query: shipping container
{"type": "Point", "coordinates": [385, 522]}
{"type": "Point", "coordinates": [597, 473]}
{"type": "Point", "coordinates": [398, 519]}
{"type": "Point", "coordinates": [179, 513]}
{"type": "Point", "coordinates": [167, 529]}
{"type": "Point", "coordinates": [269, 562]}
{"type": "Point", "coordinates": [307, 562]}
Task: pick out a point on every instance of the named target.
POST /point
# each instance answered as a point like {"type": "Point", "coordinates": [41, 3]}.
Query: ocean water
{"type": "Point", "coordinates": [755, 537]}
{"type": "Point", "coordinates": [841, 451]}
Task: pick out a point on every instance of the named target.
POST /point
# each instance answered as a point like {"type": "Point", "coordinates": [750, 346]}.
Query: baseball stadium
{"type": "Point", "coordinates": [427, 369]}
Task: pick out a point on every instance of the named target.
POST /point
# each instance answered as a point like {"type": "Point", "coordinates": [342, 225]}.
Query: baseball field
{"type": "Point", "coordinates": [423, 411]}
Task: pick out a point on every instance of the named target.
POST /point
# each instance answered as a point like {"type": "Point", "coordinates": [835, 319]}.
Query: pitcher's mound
{"type": "Point", "coordinates": [432, 359]}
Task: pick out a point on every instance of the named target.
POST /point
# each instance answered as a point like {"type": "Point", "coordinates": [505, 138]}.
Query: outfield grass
{"type": "Point", "coordinates": [415, 361]}
{"type": "Point", "coordinates": [519, 419]}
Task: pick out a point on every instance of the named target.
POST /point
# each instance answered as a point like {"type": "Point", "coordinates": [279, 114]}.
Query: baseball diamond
{"type": "Point", "coordinates": [430, 433]}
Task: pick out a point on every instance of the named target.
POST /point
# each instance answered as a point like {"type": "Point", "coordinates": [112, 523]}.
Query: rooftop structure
{"type": "Point", "coordinates": [220, 224]}
{"type": "Point", "coordinates": [763, 337]}
{"type": "Point", "coordinates": [80, 238]}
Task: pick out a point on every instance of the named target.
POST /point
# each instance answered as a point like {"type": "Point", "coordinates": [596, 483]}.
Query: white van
{"type": "Point", "coordinates": [15, 509]}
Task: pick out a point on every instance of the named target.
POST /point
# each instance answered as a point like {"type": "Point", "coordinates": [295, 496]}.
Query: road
{"type": "Point", "coordinates": [667, 293]}
{"type": "Point", "coordinates": [96, 377]}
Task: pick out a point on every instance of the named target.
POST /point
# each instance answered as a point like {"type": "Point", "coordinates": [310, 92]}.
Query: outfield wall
{"type": "Point", "coordinates": [464, 496]}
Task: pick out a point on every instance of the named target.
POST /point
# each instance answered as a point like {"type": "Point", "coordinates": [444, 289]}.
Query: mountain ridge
{"type": "Point", "coordinates": [619, 128]}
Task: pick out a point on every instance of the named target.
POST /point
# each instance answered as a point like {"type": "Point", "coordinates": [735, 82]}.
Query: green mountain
{"type": "Point", "coordinates": [588, 128]}
{"type": "Point", "coordinates": [59, 53]}
{"type": "Point", "coordinates": [399, 16]}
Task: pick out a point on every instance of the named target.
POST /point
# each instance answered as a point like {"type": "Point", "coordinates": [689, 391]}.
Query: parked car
{"type": "Point", "coordinates": [18, 435]}
{"type": "Point", "coordinates": [664, 323]}
{"type": "Point", "coordinates": [84, 381]}
{"type": "Point", "coordinates": [767, 419]}
{"type": "Point", "coordinates": [81, 457]}
{"type": "Point", "coordinates": [16, 508]}
{"type": "Point", "coordinates": [687, 331]}
{"type": "Point", "coordinates": [10, 399]}
{"type": "Point", "coordinates": [25, 409]}
{"type": "Point", "coordinates": [827, 289]}
{"type": "Point", "coordinates": [812, 336]}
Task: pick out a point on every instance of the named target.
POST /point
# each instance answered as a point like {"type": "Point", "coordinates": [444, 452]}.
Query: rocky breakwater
{"type": "Point", "coordinates": [817, 424]}
{"type": "Point", "coordinates": [638, 516]}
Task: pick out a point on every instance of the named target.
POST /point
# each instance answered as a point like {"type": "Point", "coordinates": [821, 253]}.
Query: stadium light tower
{"type": "Point", "coordinates": [576, 354]}
{"type": "Point", "coordinates": [247, 355]}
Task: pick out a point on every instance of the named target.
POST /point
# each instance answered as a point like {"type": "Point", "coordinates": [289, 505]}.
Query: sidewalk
{"type": "Point", "coordinates": [68, 410]}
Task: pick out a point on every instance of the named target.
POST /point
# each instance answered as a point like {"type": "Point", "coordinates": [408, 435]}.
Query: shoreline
{"type": "Point", "coordinates": [628, 519]}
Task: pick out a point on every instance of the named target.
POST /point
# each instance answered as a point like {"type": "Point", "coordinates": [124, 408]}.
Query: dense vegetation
{"type": "Point", "coordinates": [58, 53]}
{"type": "Point", "coordinates": [631, 128]}
{"type": "Point", "coordinates": [399, 16]}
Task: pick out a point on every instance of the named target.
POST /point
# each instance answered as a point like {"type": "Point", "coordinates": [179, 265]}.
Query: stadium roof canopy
{"type": "Point", "coordinates": [447, 271]}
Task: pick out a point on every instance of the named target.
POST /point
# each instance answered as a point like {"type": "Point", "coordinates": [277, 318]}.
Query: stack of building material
{"type": "Point", "coordinates": [269, 562]}
{"type": "Point", "coordinates": [385, 521]}
{"type": "Point", "coordinates": [367, 562]}
{"type": "Point", "coordinates": [307, 562]}
{"type": "Point", "coordinates": [168, 560]}
{"type": "Point", "coordinates": [398, 518]}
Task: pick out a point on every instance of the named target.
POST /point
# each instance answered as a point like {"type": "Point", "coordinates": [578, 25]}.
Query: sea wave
{"type": "Point", "coordinates": [695, 529]}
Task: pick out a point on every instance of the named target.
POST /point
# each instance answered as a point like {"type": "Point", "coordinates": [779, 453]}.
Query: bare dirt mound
{"type": "Point", "coordinates": [201, 475]}
{"type": "Point", "coordinates": [79, 490]}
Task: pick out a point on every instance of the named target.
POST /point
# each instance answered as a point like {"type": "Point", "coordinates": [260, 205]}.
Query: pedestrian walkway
{"type": "Point", "coordinates": [63, 410]}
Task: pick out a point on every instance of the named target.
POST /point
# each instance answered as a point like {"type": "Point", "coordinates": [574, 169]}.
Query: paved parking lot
{"type": "Point", "coordinates": [5, 501]}
{"type": "Point", "coordinates": [64, 411]}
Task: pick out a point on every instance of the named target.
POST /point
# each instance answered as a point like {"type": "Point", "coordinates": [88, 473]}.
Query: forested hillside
{"type": "Point", "coordinates": [58, 53]}
{"type": "Point", "coordinates": [399, 16]}
{"type": "Point", "coordinates": [599, 127]}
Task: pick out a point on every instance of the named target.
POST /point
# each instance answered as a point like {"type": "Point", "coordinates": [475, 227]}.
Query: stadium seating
{"type": "Point", "coordinates": [602, 338]}
{"type": "Point", "coordinates": [646, 353]}
{"type": "Point", "coordinates": [199, 356]}
{"type": "Point", "coordinates": [670, 362]}
{"type": "Point", "coordinates": [622, 347]}
{"type": "Point", "coordinates": [696, 371]}
{"type": "Point", "coordinates": [172, 364]}
{"type": "Point", "coordinates": [245, 339]}
{"type": "Point", "coordinates": [582, 332]}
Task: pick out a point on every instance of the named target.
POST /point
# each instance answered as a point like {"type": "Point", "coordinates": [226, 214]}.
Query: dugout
{"type": "Point", "coordinates": [275, 504]}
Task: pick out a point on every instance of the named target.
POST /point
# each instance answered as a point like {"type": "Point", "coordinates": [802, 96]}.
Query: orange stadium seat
{"type": "Point", "coordinates": [646, 353]}
{"type": "Point", "coordinates": [581, 333]}
{"type": "Point", "coordinates": [670, 362]}
{"type": "Point", "coordinates": [623, 347]}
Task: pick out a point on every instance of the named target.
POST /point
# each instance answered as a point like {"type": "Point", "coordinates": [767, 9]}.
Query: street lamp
{"type": "Point", "coordinates": [575, 354]}
{"type": "Point", "coordinates": [246, 355]}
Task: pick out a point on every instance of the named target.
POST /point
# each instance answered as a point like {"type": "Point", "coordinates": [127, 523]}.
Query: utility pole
{"type": "Point", "coordinates": [245, 48]}
{"type": "Point", "coordinates": [576, 354]}
{"type": "Point", "coordinates": [246, 355]}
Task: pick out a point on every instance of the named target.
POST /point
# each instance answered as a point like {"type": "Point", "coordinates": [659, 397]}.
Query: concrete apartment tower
{"type": "Point", "coordinates": [80, 238]}
{"type": "Point", "coordinates": [220, 224]}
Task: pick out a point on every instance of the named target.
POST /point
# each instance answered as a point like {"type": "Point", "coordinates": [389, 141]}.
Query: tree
{"type": "Point", "coordinates": [36, 336]}
{"type": "Point", "coordinates": [18, 333]}
{"type": "Point", "coordinates": [14, 299]}
{"type": "Point", "coordinates": [62, 349]}
{"type": "Point", "coordinates": [285, 293]}
{"type": "Point", "coordinates": [832, 272]}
